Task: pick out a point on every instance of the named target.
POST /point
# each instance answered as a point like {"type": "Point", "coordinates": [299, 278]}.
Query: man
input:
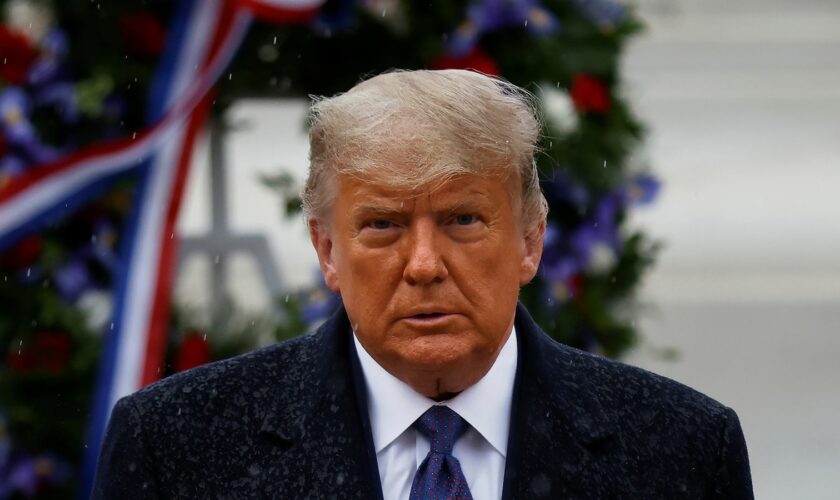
{"type": "Point", "coordinates": [424, 208]}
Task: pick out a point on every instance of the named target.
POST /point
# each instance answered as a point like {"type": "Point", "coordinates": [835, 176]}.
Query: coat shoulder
{"type": "Point", "coordinates": [631, 395]}
{"type": "Point", "coordinates": [272, 373]}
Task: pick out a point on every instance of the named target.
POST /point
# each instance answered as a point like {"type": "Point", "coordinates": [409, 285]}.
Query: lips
{"type": "Point", "coordinates": [428, 312]}
{"type": "Point", "coordinates": [428, 317]}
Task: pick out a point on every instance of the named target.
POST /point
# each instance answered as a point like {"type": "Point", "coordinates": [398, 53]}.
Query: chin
{"type": "Point", "coordinates": [437, 353]}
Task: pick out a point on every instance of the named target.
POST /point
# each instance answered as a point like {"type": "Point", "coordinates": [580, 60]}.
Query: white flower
{"type": "Point", "coordinates": [559, 108]}
{"type": "Point", "coordinates": [96, 306]}
{"type": "Point", "coordinates": [602, 258]}
{"type": "Point", "coordinates": [31, 17]}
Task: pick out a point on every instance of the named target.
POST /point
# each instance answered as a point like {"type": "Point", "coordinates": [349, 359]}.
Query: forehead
{"type": "Point", "coordinates": [452, 190]}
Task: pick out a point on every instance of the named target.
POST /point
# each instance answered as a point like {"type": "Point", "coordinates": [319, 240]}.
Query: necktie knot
{"type": "Point", "coordinates": [442, 426]}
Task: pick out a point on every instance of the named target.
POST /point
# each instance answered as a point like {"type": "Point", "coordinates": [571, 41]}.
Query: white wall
{"type": "Point", "coordinates": [743, 101]}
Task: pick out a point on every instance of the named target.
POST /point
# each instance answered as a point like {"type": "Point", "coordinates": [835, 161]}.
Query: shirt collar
{"type": "Point", "coordinates": [393, 405]}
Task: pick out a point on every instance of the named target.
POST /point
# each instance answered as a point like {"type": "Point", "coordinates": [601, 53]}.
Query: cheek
{"type": "Point", "coordinates": [488, 276]}
{"type": "Point", "coordinates": [368, 279]}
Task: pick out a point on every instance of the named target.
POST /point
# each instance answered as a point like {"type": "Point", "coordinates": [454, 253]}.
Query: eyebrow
{"type": "Point", "coordinates": [369, 209]}
{"type": "Point", "coordinates": [385, 210]}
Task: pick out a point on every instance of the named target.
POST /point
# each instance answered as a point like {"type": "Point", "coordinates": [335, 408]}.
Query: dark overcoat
{"type": "Point", "coordinates": [289, 421]}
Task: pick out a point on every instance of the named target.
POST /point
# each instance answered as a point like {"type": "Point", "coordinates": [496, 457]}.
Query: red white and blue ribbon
{"type": "Point", "coordinates": [203, 39]}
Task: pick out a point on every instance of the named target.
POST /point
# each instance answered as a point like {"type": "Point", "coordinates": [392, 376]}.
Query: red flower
{"type": "Point", "coordinates": [51, 352]}
{"type": "Point", "coordinates": [17, 54]}
{"type": "Point", "coordinates": [575, 285]}
{"type": "Point", "coordinates": [194, 351]}
{"type": "Point", "coordinates": [23, 254]}
{"type": "Point", "coordinates": [590, 94]}
{"type": "Point", "coordinates": [142, 34]}
{"type": "Point", "coordinates": [476, 60]}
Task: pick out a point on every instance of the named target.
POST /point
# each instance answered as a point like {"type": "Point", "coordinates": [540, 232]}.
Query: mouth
{"type": "Point", "coordinates": [431, 318]}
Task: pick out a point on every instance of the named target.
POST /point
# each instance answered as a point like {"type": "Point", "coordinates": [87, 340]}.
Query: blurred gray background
{"type": "Point", "coordinates": [742, 99]}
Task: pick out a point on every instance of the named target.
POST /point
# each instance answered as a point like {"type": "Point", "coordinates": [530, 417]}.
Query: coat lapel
{"type": "Point", "coordinates": [559, 429]}
{"type": "Point", "coordinates": [316, 436]}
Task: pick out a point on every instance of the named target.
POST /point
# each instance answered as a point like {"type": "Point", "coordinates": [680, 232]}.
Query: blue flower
{"type": "Point", "coordinates": [604, 13]}
{"type": "Point", "coordinates": [641, 190]}
{"type": "Point", "coordinates": [484, 16]}
{"type": "Point", "coordinates": [562, 189]}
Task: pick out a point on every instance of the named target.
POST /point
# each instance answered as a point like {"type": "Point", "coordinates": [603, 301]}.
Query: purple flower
{"type": "Point", "coordinates": [485, 16]}
{"type": "Point", "coordinates": [593, 245]}
{"type": "Point", "coordinates": [19, 133]}
{"type": "Point", "coordinates": [50, 66]}
{"type": "Point", "coordinates": [72, 279]}
{"type": "Point", "coordinates": [24, 473]}
{"type": "Point", "coordinates": [11, 166]}
{"type": "Point", "coordinates": [641, 190]}
{"type": "Point", "coordinates": [562, 189]}
{"type": "Point", "coordinates": [604, 13]}
{"type": "Point", "coordinates": [23, 476]}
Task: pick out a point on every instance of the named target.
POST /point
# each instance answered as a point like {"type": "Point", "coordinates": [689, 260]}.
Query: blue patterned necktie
{"type": "Point", "coordinates": [439, 477]}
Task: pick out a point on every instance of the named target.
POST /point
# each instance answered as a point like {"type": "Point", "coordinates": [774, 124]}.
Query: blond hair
{"type": "Point", "coordinates": [408, 129]}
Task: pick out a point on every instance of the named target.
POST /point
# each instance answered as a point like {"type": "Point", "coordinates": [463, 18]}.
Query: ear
{"type": "Point", "coordinates": [322, 241]}
{"type": "Point", "coordinates": [532, 253]}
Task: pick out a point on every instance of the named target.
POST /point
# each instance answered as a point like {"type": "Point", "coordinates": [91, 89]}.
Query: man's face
{"type": "Point", "coordinates": [430, 278]}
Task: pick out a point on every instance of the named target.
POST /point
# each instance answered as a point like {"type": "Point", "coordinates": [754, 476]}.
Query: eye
{"type": "Point", "coordinates": [464, 219]}
{"type": "Point", "coordinates": [380, 224]}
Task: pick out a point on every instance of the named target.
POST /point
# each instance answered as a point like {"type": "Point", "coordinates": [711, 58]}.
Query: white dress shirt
{"type": "Point", "coordinates": [393, 407]}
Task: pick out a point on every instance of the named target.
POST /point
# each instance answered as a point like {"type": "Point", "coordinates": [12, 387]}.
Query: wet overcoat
{"type": "Point", "coordinates": [289, 421]}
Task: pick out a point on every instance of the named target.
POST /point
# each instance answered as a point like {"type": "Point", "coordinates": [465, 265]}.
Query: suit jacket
{"type": "Point", "coordinates": [290, 421]}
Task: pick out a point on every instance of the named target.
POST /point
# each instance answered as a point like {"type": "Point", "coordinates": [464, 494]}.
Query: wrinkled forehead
{"type": "Point", "coordinates": [446, 191]}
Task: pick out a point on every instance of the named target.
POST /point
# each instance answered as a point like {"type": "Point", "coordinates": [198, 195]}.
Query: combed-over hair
{"type": "Point", "coordinates": [408, 129]}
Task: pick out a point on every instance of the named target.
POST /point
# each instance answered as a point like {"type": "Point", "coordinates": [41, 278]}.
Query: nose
{"type": "Point", "coordinates": [425, 264]}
